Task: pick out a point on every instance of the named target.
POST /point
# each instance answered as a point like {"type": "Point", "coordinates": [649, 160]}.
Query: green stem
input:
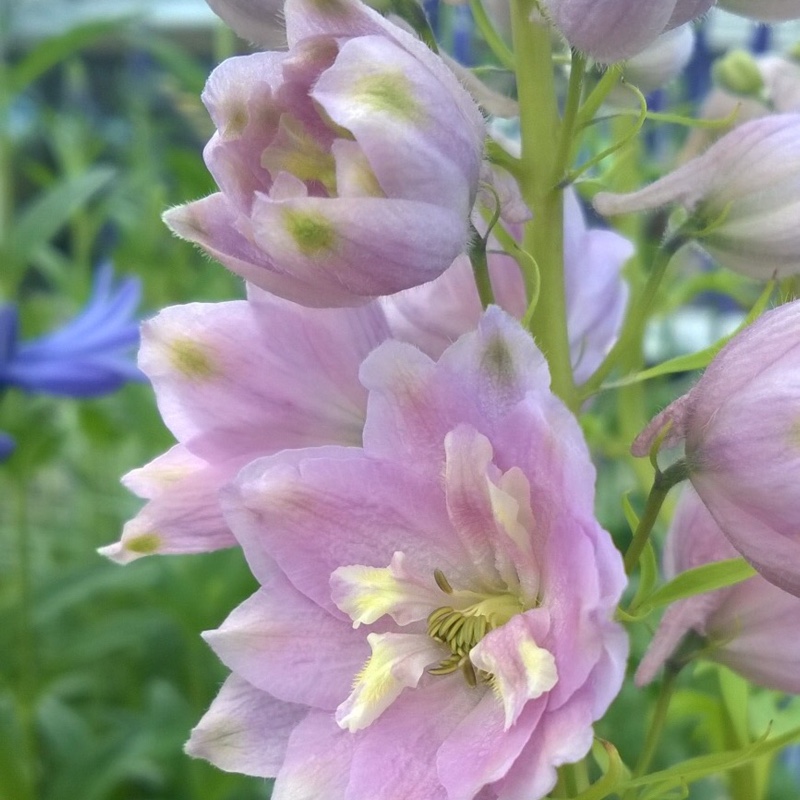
{"type": "Point", "coordinates": [662, 483]}
{"type": "Point", "coordinates": [638, 313]}
{"type": "Point", "coordinates": [6, 184]}
{"type": "Point", "coordinates": [657, 724]}
{"type": "Point", "coordinates": [490, 35]}
{"type": "Point", "coordinates": [598, 95]}
{"type": "Point", "coordinates": [566, 142]}
{"type": "Point", "coordinates": [539, 176]}
{"type": "Point", "coordinates": [27, 644]}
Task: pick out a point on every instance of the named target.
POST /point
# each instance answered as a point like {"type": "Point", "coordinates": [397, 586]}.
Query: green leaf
{"type": "Point", "coordinates": [699, 580]}
{"type": "Point", "coordinates": [694, 769]}
{"type": "Point", "coordinates": [56, 49]}
{"type": "Point", "coordinates": [41, 219]}
{"type": "Point", "coordinates": [701, 359]}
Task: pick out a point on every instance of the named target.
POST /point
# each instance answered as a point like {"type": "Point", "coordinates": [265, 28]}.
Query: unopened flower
{"type": "Point", "coordinates": [742, 196]}
{"type": "Point", "coordinates": [751, 627]}
{"type": "Point", "coordinates": [763, 10]}
{"type": "Point", "coordinates": [436, 618]}
{"type": "Point", "coordinates": [614, 30]}
{"type": "Point", "coordinates": [88, 357]}
{"type": "Point", "coordinates": [741, 430]}
{"type": "Point", "coordinates": [348, 167]}
{"type": "Point", "coordinates": [661, 61]}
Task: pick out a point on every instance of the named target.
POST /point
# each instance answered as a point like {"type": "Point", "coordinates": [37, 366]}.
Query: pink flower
{"type": "Point", "coordinates": [740, 426]}
{"type": "Point", "coordinates": [751, 627]}
{"type": "Point", "coordinates": [237, 381]}
{"type": "Point", "coordinates": [348, 167]}
{"type": "Point", "coordinates": [742, 194]}
{"type": "Point", "coordinates": [613, 30]}
{"type": "Point", "coordinates": [436, 617]}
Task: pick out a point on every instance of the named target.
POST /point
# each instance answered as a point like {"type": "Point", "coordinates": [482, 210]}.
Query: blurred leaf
{"type": "Point", "coordinates": [699, 580]}
{"type": "Point", "coordinates": [56, 49]}
{"type": "Point", "coordinates": [13, 765]}
{"type": "Point", "coordinates": [191, 73]}
{"type": "Point", "coordinates": [666, 780]}
{"type": "Point", "coordinates": [43, 217]}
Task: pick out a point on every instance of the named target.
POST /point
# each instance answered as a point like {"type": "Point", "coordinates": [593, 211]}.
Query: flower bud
{"type": "Point", "coordinates": [741, 429]}
{"type": "Point", "coordinates": [348, 167]}
{"type": "Point", "coordinates": [752, 627]}
{"type": "Point", "coordinates": [661, 61]}
{"type": "Point", "coordinates": [613, 30]}
{"type": "Point", "coordinates": [742, 196]}
{"type": "Point", "coordinates": [737, 72]}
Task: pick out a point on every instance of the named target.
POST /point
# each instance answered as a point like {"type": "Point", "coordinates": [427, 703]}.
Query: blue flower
{"type": "Point", "coordinates": [89, 356]}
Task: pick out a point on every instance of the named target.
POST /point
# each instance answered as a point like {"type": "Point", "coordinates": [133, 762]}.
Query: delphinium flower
{"type": "Point", "coordinates": [436, 617]}
{"type": "Point", "coordinates": [739, 425]}
{"type": "Point", "coordinates": [296, 383]}
{"type": "Point", "coordinates": [751, 627]}
{"type": "Point", "coordinates": [742, 197]}
{"type": "Point", "coordinates": [348, 166]}
{"type": "Point", "coordinates": [89, 356]}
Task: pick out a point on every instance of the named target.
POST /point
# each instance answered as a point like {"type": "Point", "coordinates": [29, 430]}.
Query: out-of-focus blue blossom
{"type": "Point", "coordinates": [7, 446]}
{"type": "Point", "coordinates": [90, 356]}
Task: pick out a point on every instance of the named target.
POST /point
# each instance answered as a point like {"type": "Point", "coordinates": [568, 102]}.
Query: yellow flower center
{"type": "Point", "coordinates": [461, 629]}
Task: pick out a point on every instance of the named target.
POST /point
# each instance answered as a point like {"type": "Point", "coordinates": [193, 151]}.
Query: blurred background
{"type": "Point", "coordinates": [102, 670]}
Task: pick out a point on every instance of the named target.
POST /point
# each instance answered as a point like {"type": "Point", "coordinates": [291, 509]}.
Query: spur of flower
{"type": "Point", "coordinates": [348, 166]}
{"type": "Point", "coordinates": [438, 602]}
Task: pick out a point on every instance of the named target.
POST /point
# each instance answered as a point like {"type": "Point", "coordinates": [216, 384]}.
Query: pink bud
{"type": "Point", "coordinates": [613, 30]}
{"type": "Point", "coordinates": [741, 428]}
{"type": "Point", "coordinates": [752, 627]}
{"type": "Point", "coordinates": [348, 167]}
{"type": "Point", "coordinates": [743, 195]}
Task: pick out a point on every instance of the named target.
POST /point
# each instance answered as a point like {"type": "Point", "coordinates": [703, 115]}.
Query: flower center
{"type": "Point", "coordinates": [461, 629]}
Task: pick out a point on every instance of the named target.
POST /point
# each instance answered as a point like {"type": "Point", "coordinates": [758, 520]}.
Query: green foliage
{"type": "Point", "coordinates": [102, 669]}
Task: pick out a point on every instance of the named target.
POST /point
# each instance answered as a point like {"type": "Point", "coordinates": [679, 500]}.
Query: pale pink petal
{"type": "Point", "coordinates": [480, 750]}
{"type": "Point", "coordinates": [321, 513]}
{"type": "Point", "coordinates": [184, 517]}
{"type": "Point", "coordinates": [357, 247]}
{"type": "Point", "coordinates": [278, 633]}
{"type": "Point", "coordinates": [404, 741]}
{"type": "Point", "coordinates": [407, 127]}
{"type": "Point", "coordinates": [318, 761]}
{"type": "Point", "coordinates": [563, 737]}
{"type": "Point", "coordinates": [245, 730]}
{"type": "Point", "coordinates": [295, 384]}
